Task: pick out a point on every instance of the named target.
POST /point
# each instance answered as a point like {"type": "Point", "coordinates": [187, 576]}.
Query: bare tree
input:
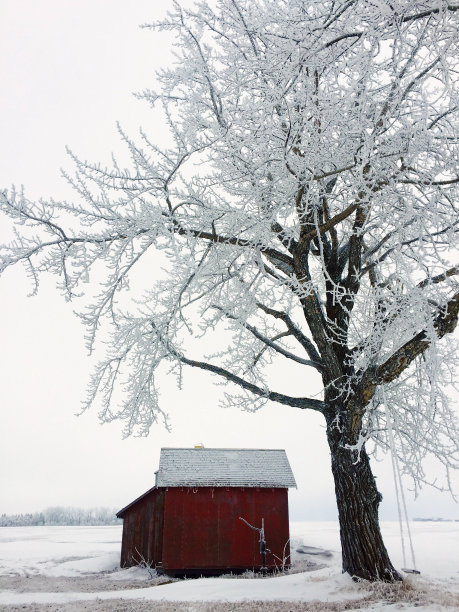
{"type": "Point", "coordinates": [307, 203]}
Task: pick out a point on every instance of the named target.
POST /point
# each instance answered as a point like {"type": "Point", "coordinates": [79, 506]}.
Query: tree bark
{"type": "Point", "coordinates": [364, 555]}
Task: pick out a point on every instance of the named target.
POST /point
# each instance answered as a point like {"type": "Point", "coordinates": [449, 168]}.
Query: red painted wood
{"type": "Point", "coordinates": [199, 530]}
{"type": "Point", "coordinates": [143, 530]}
{"type": "Point", "coordinates": [202, 530]}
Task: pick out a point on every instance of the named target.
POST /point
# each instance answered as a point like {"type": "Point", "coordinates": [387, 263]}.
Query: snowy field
{"type": "Point", "coordinates": [76, 568]}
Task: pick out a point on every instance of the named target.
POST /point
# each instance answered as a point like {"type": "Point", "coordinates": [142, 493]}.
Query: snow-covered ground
{"type": "Point", "coordinates": [72, 566]}
{"type": "Point", "coordinates": [59, 551]}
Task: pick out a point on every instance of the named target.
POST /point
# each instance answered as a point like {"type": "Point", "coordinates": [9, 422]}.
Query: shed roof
{"type": "Point", "coordinates": [224, 467]}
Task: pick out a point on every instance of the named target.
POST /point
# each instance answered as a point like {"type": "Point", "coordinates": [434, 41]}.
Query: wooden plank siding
{"type": "Point", "coordinates": [204, 535]}
{"type": "Point", "coordinates": [143, 530]}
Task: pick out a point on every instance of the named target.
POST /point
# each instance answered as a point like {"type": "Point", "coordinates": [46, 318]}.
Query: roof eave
{"type": "Point", "coordinates": [122, 512]}
{"type": "Point", "coordinates": [225, 485]}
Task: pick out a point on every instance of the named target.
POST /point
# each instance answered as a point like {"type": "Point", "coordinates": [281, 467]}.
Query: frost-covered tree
{"type": "Point", "coordinates": [307, 204]}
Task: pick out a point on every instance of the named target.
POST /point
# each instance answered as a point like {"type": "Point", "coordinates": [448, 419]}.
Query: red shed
{"type": "Point", "coordinates": [190, 521]}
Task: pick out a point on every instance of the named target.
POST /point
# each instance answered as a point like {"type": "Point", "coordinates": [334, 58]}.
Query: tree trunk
{"type": "Point", "coordinates": [364, 553]}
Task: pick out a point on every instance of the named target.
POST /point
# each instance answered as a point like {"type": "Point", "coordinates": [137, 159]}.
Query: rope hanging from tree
{"type": "Point", "coordinates": [399, 493]}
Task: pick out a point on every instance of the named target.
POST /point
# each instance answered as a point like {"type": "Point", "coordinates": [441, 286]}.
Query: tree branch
{"type": "Point", "coordinates": [325, 227]}
{"type": "Point", "coordinates": [271, 344]}
{"type": "Point", "coordinates": [305, 342]}
{"type": "Point", "coordinates": [234, 240]}
{"type": "Point", "coordinates": [445, 323]}
{"type": "Point", "coordinates": [408, 18]}
{"type": "Point", "coordinates": [435, 183]}
{"type": "Point", "coordinates": [283, 334]}
{"type": "Point", "coordinates": [433, 280]}
{"type": "Point", "coordinates": [296, 402]}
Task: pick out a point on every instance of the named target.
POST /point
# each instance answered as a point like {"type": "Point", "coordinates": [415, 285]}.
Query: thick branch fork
{"type": "Point", "coordinates": [445, 323]}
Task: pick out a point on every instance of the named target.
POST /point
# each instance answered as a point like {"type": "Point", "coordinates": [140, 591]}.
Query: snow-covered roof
{"type": "Point", "coordinates": [224, 467]}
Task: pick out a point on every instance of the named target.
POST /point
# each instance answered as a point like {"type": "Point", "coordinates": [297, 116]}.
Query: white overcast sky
{"type": "Point", "coordinates": [68, 69]}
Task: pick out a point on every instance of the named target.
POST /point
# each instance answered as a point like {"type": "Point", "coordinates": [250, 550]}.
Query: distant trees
{"type": "Point", "coordinates": [59, 515]}
{"type": "Point", "coordinates": [22, 520]}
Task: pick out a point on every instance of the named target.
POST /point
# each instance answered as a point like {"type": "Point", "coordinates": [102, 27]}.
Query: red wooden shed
{"type": "Point", "coordinates": [190, 523]}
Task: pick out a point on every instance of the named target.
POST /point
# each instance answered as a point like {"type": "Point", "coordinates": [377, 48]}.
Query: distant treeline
{"type": "Point", "coordinates": [436, 520]}
{"type": "Point", "coordinates": [58, 515]}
